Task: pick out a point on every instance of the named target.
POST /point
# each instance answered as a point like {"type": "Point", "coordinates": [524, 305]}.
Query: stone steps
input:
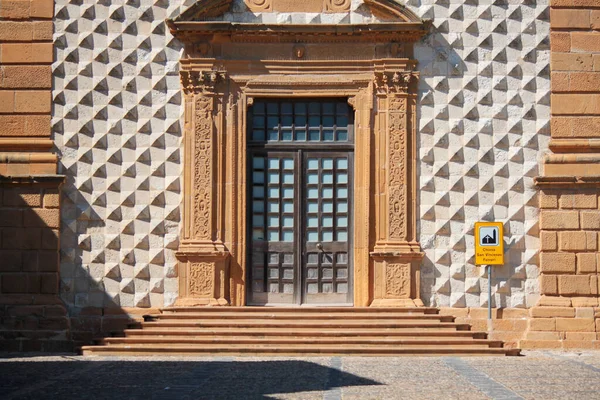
{"type": "Point", "coordinates": [299, 316]}
{"type": "Point", "coordinates": [287, 350]}
{"type": "Point", "coordinates": [305, 332]}
{"type": "Point", "coordinates": [302, 331]}
{"type": "Point", "coordinates": [243, 340]}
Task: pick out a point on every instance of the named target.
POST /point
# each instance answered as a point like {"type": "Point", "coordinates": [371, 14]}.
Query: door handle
{"type": "Point", "coordinates": [320, 247]}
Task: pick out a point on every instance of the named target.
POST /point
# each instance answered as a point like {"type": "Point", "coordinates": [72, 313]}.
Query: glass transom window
{"type": "Point", "coordinates": [280, 121]}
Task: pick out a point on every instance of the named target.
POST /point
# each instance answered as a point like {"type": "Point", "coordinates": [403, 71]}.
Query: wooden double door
{"type": "Point", "coordinates": [300, 156]}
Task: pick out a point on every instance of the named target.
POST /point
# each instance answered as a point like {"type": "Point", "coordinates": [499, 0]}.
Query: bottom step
{"type": "Point", "coordinates": [322, 350]}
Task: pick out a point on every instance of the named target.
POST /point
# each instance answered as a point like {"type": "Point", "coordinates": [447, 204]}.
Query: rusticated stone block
{"type": "Point", "coordinates": [548, 284]}
{"type": "Point", "coordinates": [574, 285]}
{"type": "Point", "coordinates": [14, 283]}
{"type": "Point", "coordinates": [572, 241]}
{"type": "Point", "coordinates": [584, 302]}
{"type": "Point", "coordinates": [551, 312]}
{"type": "Point", "coordinates": [24, 125]}
{"type": "Point", "coordinates": [33, 101]}
{"type": "Point", "coordinates": [586, 263]}
{"type": "Point", "coordinates": [48, 261]}
{"type": "Point", "coordinates": [590, 220]}
{"type": "Point", "coordinates": [542, 324]}
{"type": "Point", "coordinates": [548, 241]}
{"type": "Point", "coordinates": [584, 82]}
{"type": "Point", "coordinates": [540, 335]}
{"type": "Point", "coordinates": [560, 42]}
{"type": "Point", "coordinates": [42, 8]}
{"type": "Point", "coordinates": [11, 261]}
{"type": "Point", "coordinates": [570, 18]}
{"type": "Point", "coordinates": [540, 344]}
{"type": "Point", "coordinates": [578, 344]}
{"type": "Point", "coordinates": [575, 104]}
{"type": "Point", "coordinates": [15, 9]}
{"type": "Point", "coordinates": [42, 30]}
{"type": "Point", "coordinates": [13, 31]}
{"type": "Point", "coordinates": [49, 283]}
{"type": "Point", "coordinates": [588, 336]}
{"type": "Point", "coordinates": [42, 217]}
{"type": "Point", "coordinates": [50, 239]}
{"type": "Point", "coordinates": [575, 325]}
{"type": "Point", "coordinates": [571, 62]}
{"type": "Point", "coordinates": [578, 200]}
{"type": "Point", "coordinates": [559, 220]}
{"type": "Point", "coordinates": [557, 262]}
{"type": "Point", "coordinates": [51, 199]}
{"type": "Point", "coordinates": [30, 53]}
{"type": "Point", "coordinates": [11, 218]}
{"type": "Point", "coordinates": [513, 313]}
{"type": "Point", "coordinates": [554, 301]}
{"type": "Point", "coordinates": [548, 200]}
{"type": "Point", "coordinates": [584, 312]}
{"type": "Point", "coordinates": [7, 101]}
{"type": "Point", "coordinates": [24, 197]}
{"type": "Point", "coordinates": [26, 76]}
{"type": "Point", "coordinates": [585, 41]}
{"type": "Point", "coordinates": [595, 19]}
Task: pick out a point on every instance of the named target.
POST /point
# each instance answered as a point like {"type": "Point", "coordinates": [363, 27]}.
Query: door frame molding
{"type": "Point", "coordinates": [217, 92]}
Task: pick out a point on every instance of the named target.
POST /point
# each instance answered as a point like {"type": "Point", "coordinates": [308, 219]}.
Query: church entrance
{"type": "Point", "coordinates": [300, 163]}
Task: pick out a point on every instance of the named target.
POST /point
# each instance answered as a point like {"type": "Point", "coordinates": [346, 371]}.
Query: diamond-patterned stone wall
{"type": "Point", "coordinates": [483, 128]}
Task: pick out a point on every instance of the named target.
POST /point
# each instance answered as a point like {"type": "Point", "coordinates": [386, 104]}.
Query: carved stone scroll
{"type": "Point", "coordinates": [336, 5]}
{"type": "Point", "coordinates": [259, 5]}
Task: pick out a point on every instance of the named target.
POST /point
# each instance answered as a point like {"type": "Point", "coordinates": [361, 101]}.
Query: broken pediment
{"type": "Point", "coordinates": [315, 11]}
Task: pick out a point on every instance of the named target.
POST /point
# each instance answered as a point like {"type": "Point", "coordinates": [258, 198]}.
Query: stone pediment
{"type": "Point", "coordinates": [285, 20]}
{"type": "Point", "coordinates": [315, 11]}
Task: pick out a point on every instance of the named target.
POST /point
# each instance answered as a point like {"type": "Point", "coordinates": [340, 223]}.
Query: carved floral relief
{"type": "Point", "coordinates": [397, 131]}
{"type": "Point", "coordinates": [397, 278]}
{"type": "Point", "coordinates": [203, 168]}
{"type": "Point", "coordinates": [201, 279]}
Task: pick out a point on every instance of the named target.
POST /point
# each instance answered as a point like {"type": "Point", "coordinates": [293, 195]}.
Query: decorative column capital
{"type": "Point", "coordinates": [394, 82]}
{"type": "Point", "coordinates": [195, 82]}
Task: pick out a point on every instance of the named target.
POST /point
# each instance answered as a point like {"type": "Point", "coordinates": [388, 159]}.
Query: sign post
{"type": "Point", "coordinates": [489, 250]}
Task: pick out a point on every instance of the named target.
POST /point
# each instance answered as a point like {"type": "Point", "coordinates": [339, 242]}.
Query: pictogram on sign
{"type": "Point", "coordinates": [489, 243]}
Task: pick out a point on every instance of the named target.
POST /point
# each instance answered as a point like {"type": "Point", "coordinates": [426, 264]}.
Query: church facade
{"type": "Point", "coordinates": [235, 153]}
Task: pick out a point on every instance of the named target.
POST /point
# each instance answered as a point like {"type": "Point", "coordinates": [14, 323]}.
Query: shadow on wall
{"type": "Point", "coordinates": [117, 110]}
{"type": "Point", "coordinates": [484, 122]}
{"type": "Point", "coordinates": [118, 136]}
{"type": "Point", "coordinates": [32, 316]}
{"type": "Point", "coordinates": [184, 379]}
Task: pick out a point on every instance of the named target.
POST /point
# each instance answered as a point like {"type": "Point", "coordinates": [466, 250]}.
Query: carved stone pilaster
{"type": "Point", "coordinates": [396, 256]}
{"type": "Point", "coordinates": [396, 179]}
{"type": "Point", "coordinates": [204, 260]}
{"type": "Point", "coordinates": [203, 168]}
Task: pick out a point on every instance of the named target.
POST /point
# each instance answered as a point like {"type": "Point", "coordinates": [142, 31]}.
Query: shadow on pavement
{"type": "Point", "coordinates": [109, 379]}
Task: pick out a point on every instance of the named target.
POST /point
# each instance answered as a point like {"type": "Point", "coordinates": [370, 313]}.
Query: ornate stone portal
{"type": "Point", "coordinates": [227, 65]}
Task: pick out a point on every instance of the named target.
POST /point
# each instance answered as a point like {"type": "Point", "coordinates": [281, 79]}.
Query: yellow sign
{"type": "Point", "coordinates": [489, 243]}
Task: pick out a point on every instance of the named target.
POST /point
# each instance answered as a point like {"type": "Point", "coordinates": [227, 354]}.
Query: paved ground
{"type": "Point", "coordinates": [537, 375]}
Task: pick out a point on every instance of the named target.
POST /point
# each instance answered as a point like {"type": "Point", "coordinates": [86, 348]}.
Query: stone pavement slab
{"type": "Point", "coordinates": [537, 375]}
